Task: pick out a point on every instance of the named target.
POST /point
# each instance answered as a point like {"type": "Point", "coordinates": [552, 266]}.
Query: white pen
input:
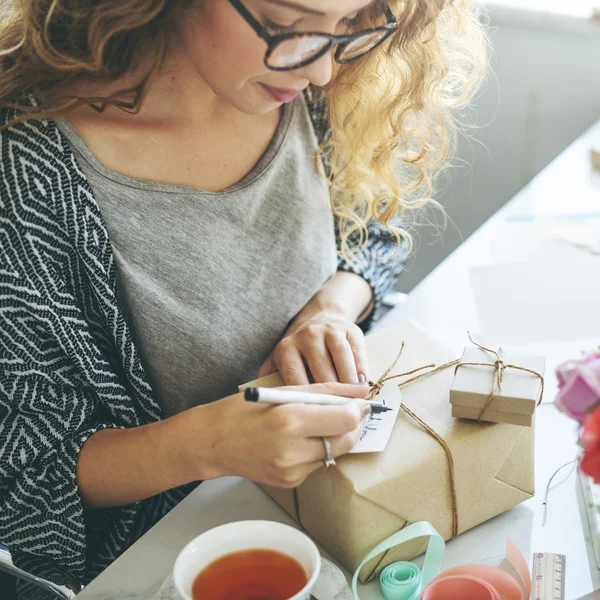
{"type": "Point", "coordinates": [283, 396]}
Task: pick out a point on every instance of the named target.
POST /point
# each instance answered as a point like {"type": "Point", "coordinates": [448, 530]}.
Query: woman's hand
{"type": "Point", "coordinates": [323, 341]}
{"type": "Point", "coordinates": [330, 345]}
{"type": "Point", "coordinates": [278, 445]}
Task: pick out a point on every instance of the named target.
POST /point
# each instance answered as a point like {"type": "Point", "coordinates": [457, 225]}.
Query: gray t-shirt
{"type": "Point", "coordinates": [210, 280]}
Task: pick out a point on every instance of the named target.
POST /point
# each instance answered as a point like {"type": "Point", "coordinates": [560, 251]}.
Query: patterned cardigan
{"type": "Point", "coordinates": [68, 363]}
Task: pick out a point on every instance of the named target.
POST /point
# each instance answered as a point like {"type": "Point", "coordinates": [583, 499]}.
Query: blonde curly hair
{"type": "Point", "coordinates": [392, 112]}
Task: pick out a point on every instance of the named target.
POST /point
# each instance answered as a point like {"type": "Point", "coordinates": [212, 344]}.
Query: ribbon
{"type": "Point", "coordinates": [377, 387]}
{"type": "Point", "coordinates": [405, 581]}
{"type": "Point", "coordinates": [401, 580]}
{"type": "Point", "coordinates": [499, 367]}
{"type": "Point", "coordinates": [481, 582]}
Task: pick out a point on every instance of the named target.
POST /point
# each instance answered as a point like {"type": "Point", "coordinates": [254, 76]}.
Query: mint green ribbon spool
{"type": "Point", "coordinates": [404, 580]}
{"type": "Point", "coordinates": [401, 580]}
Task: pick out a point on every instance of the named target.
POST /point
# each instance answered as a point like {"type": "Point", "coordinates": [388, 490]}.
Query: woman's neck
{"type": "Point", "coordinates": [179, 94]}
{"type": "Point", "coordinates": [176, 95]}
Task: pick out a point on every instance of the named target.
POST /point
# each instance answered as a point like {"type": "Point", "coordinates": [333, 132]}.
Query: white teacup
{"type": "Point", "coordinates": [246, 535]}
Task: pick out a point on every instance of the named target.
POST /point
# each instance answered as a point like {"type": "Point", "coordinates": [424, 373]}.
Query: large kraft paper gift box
{"type": "Point", "coordinates": [365, 498]}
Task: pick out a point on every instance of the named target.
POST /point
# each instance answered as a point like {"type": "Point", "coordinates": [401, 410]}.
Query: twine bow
{"type": "Point", "coordinates": [499, 367]}
{"type": "Point", "coordinates": [377, 386]}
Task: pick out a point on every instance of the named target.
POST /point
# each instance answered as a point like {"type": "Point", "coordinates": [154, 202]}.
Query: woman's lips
{"type": "Point", "coordinates": [281, 95]}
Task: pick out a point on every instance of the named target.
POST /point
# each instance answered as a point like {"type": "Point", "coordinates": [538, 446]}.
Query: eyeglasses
{"type": "Point", "coordinates": [289, 51]}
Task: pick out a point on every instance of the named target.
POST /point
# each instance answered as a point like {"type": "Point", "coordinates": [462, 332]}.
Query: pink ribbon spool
{"type": "Point", "coordinates": [459, 587]}
{"type": "Point", "coordinates": [482, 582]}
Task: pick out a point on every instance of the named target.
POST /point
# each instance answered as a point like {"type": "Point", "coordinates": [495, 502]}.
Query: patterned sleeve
{"type": "Point", "coordinates": [43, 426]}
{"type": "Point", "coordinates": [49, 403]}
{"type": "Point", "coordinates": [380, 261]}
{"type": "Point", "coordinates": [68, 366]}
{"type": "Point", "coordinates": [49, 407]}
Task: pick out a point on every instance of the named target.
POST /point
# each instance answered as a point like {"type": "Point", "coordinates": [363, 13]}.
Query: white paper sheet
{"type": "Point", "coordinates": [553, 296]}
{"type": "Point", "coordinates": [379, 427]}
{"type": "Point", "coordinates": [593, 596]}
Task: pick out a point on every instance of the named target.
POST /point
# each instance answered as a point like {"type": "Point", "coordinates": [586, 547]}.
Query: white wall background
{"type": "Point", "coordinates": [545, 92]}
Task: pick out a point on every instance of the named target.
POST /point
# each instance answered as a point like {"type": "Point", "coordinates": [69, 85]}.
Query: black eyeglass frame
{"type": "Point", "coordinates": [340, 41]}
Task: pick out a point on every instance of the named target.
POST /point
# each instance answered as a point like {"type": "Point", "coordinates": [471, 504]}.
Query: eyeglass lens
{"type": "Point", "coordinates": [297, 51]}
{"type": "Point", "coordinates": [360, 45]}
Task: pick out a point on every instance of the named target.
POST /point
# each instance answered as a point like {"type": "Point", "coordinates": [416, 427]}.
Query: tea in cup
{"type": "Point", "coordinates": [246, 560]}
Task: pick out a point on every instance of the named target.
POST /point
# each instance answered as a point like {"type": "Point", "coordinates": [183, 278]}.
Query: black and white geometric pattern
{"type": "Point", "coordinates": [68, 364]}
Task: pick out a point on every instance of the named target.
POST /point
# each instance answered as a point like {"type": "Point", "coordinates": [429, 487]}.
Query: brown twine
{"type": "Point", "coordinates": [499, 367]}
{"type": "Point", "coordinates": [448, 452]}
{"type": "Point", "coordinates": [377, 386]}
{"type": "Point", "coordinates": [428, 373]}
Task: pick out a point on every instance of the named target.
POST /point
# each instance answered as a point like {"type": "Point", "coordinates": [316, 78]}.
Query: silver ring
{"type": "Point", "coordinates": [328, 460]}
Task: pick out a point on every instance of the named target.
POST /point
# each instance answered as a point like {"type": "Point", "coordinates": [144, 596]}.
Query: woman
{"type": "Point", "coordinates": [194, 193]}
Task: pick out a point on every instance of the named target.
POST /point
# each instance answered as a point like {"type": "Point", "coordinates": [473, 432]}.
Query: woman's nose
{"type": "Point", "coordinates": [319, 73]}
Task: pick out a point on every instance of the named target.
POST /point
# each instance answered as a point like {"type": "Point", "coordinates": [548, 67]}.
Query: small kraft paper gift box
{"type": "Point", "coordinates": [451, 472]}
{"type": "Point", "coordinates": [491, 386]}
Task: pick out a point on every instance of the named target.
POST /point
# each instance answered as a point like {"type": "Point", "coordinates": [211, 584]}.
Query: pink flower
{"type": "Point", "coordinates": [590, 438]}
{"type": "Point", "coordinates": [578, 385]}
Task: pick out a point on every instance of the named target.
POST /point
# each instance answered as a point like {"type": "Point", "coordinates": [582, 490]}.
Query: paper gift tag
{"type": "Point", "coordinates": [379, 427]}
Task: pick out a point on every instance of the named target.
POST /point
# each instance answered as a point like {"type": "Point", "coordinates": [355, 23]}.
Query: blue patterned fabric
{"type": "Point", "coordinates": [68, 363]}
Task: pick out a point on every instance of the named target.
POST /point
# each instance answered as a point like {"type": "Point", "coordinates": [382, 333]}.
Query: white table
{"type": "Point", "coordinates": [442, 303]}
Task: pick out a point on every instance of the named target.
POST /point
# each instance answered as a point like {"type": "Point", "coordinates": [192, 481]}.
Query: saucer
{"type": "Point", "coordinates": [331, 584]}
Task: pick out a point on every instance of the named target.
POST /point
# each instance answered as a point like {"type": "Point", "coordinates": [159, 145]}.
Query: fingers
{"type": "Point", "coordinates": [328, 351]}
{"type": "Point", "coordinates": [292, 478]}
{"type": "Point", "coordinates": [290, 364]}
{"type": "Point", "coordinates": [313, 451]}
{"type": "Point", "coordinates": [317, 357]}
{"type": "Point", "coordinates": [356, 340]}
{"type": "Point", "coordinates": [340, 445]}
{"type": "Point", "coordinates": [343, 358]}
{"type": "Point", "coordinates": [267, 368]}
{"type": "Point", "coordinates": [334, 388]}
{"type": "Point", "coordinates": [337, 356]}
{"type": "Point", "coordinates": [297, 430]}
{"type": "Point", "coordinates": [310, 420]}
